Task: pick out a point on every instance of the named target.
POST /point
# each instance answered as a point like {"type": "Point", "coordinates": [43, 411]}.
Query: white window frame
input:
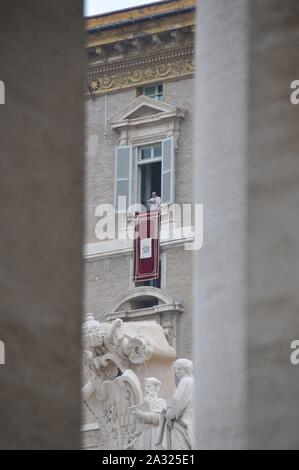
{"type": "Point", "coordinates": [138, 163]}
{"type": "Point", "coordinates": [147, 161]}
{"type": "Point", "coordinates": [157, 94]}
{"type": "Point", "coordinates": [171, 171]}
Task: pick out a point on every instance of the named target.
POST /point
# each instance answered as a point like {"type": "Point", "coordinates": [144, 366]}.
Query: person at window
{"type": "Point", "coordinates": [154, 202]}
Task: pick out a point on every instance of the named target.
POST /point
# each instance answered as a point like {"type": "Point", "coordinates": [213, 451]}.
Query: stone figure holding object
{"type": "Point", "coordinates": [148, 415]}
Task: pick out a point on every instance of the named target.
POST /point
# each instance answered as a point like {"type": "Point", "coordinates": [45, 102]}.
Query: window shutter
{"type": "Point", "coordinates": [167, 171]}
{"type": "Point", "coordinates": [123, 176]}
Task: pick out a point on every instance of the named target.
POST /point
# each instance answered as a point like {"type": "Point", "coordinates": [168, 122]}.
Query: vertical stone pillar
{"type": "Point", "coordinates": [246, 309]}
{"type": "Point", "coordinates": [41, 141]}
{"type": "Point", "coordinates": [220, 183]}
{"type": "Point", "coordinates": [273, 225]}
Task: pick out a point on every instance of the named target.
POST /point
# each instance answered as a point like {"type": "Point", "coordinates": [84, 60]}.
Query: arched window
{"type": "Point", "coordinates": [148, 304]}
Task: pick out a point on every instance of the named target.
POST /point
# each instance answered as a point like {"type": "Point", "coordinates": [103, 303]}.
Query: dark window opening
{"type": "Point", "coordinates": [150, 181]}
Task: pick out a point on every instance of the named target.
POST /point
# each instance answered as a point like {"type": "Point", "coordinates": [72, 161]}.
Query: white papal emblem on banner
{"type": "Point", "coordinates": [146, 248]}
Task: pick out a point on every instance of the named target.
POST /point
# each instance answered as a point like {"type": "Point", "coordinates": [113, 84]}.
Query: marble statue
{"type": "Point", "coordinates": [176, 427]}
{"type": "Point", "coordinates": [117, 356]}
{"type": "Point", "coordinates": [148, 415]}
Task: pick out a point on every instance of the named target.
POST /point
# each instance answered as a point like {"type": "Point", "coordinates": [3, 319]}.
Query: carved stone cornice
{"type": "Point", "coordinates": [171, 64]}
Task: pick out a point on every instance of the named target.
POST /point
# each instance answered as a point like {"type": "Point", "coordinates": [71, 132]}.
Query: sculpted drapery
{"type": "Point", "coordinates": [179, 416]}
{"type": "Point", "coordinates": [176, 425]}
{"type": "Point", "coordinates": [167, 427]}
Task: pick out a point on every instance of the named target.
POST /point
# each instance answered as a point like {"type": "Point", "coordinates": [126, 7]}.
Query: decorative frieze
{"type": "Point", "coordinates": [109, 77]}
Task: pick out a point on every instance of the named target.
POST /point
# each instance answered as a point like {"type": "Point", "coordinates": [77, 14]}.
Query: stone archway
{"type": "Point", "coordinates": [151, 304]}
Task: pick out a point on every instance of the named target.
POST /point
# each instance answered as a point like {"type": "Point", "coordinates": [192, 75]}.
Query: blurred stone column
{"type": "Point", "coordinates": [41, 168]}
{"type": "Point", "coordinates": [247, 275]}
{"type": "Point", "coordinates": [221, 178]}
{"type": "Point", "coordinates": [273, 225]}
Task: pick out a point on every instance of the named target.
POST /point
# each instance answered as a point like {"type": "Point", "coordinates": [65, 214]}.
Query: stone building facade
{"type": "Point", "coordinates": [139, 96]}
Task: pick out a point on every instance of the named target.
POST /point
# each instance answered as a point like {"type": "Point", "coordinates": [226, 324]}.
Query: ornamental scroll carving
{"type": "Point", "coordinates": [110, 386]}
{"type": "Point", "coordinates": [116, 358]}
{"type": "Point", "coordinates": [106, 78]}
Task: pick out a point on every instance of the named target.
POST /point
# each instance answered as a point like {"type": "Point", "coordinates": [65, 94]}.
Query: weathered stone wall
{"type": "Point", "coordinates": [105, 279]}
{"type": "Point", "coordinates": [179, 282]}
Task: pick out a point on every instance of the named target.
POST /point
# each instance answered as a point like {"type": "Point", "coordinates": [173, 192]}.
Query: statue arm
{"type": "Point", "coordinates": [159, 406]}
{"type": "Point", "coordinates": [148, 417]}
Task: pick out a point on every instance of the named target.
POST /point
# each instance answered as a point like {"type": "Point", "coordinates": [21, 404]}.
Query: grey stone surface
{"type": "Point", "coordinates": [41, 135]}
{"type": "Point", "coordinates": [105, 279]}
{"type": "Point", "coordinates": [220, 162]}
{"type": "Point", "coordinates": [273, 225]}
{"type": "Point", "coordinates": [179, 282]}
{"type": "Point", "coordinates": [262, 130]}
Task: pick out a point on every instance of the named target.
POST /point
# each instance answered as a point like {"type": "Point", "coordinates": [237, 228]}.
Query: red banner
{"type": "Point", "coordinates": [146, 245]}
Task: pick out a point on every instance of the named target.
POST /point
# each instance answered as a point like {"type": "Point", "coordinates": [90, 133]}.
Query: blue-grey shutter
{"type": "Point", "coordinates": [123, 176]}
{"type": "Point", "coordinates": [167, 171]}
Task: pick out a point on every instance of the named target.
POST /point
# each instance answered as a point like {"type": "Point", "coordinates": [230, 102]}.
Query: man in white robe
{"type": "Point", "coordinates": [154, 202]}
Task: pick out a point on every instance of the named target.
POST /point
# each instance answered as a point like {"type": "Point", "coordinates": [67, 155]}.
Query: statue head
{"type": "Point", "coordinates": [118, 322]}
{"type": "Point", "coordinates": [182, 368]}
{"type": "Point", "coordinates": [152, 386]}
